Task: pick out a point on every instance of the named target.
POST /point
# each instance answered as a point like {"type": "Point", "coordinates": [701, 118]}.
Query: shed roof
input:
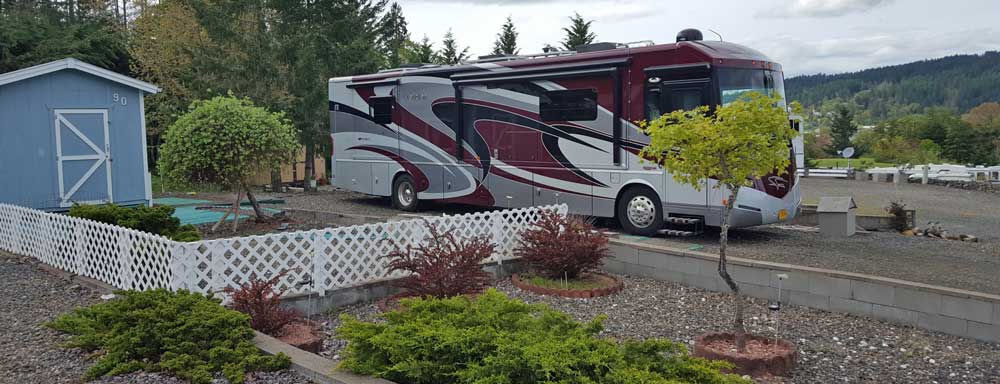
{"type": "Point", "coordinates": [836, 204]}
{"type": "Point", "coordinates": [71, 63]}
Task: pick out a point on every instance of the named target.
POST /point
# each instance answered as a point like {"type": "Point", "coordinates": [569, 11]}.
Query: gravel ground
{"type": "Point", "coordinates": [835, 348]}
{"type": "Point", "coordinates": [31, 353]}
{"type": "Point", "coordinates": [959, 211]}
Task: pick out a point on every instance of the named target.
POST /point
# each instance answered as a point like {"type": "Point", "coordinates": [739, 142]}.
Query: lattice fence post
{"type": "Point", "coordinates": [78, 246]}
{"type": "Point", "coordinates": [218, 267]}
{"type": "Point", "coordinates": [497, 232]}
{"type": "Point", "coordinates": [17, 229]}
{"type": "Point", "coordinates": [317, 247]}
{"type": "Point", "coordinates": [177, 261]}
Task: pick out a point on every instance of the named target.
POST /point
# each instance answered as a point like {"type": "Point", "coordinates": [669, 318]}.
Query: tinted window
{"type": "Point", "coordinates": [382, 109]}
{"type": "Point", "coordinates": [734, 83]}
{"type": "Point", "coordinates": [665, 98]}
{"type": "Point", "coordinates": [568, 105]}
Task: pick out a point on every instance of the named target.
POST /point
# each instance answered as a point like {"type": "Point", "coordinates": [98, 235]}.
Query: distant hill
{"type": "Point", "coordinates": [959, 82]}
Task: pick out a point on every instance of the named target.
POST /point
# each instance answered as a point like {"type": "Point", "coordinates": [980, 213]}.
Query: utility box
{"type": "Point", "coordinates": [837, 216]}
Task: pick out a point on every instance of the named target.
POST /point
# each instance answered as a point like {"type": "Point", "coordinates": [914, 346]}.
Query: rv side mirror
{"type": "Point", "coordinates": [381, 109]}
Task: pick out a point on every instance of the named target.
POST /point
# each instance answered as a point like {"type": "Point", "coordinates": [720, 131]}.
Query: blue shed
{"type": "Point", "coordinates": [71, 132]}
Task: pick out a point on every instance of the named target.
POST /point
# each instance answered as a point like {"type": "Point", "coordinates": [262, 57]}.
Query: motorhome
{"type": "Point", "coordinates": [558, 127]}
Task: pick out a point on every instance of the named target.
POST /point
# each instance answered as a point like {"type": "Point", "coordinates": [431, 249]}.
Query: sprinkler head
{"type": "Point", "coordinates": [774, 305]}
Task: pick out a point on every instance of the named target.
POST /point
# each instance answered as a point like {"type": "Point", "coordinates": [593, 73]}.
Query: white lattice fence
{"type": "Point", "coordinates": [121, 257]}
{"type": "Point", "coordinates": [314, 261]}
{"type": "Point", "coordinates": [320, 260]}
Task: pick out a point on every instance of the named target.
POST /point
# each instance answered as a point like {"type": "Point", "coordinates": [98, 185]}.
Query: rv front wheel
{"type": "Point", "coordinates": [404, 194]}
{"type": "Point", "coordinates": [640, 212]}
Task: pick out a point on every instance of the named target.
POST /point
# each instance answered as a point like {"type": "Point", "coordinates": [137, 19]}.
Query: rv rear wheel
{"type": "Point", "coordinates": [404, 194]}
{"type": "Point", "coordinates": [640, 212]}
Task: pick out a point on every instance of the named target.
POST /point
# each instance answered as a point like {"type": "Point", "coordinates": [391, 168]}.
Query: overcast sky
{"type": "Point", "coordinates": [805, 36]}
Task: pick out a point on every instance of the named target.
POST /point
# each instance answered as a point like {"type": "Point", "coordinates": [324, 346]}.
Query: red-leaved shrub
{"type": "Point", "coordinates": [559, 245]}
{"type": "Point", "coordinates": [259, 299]}
{"type": "Point", "coordinates": [443, 266]}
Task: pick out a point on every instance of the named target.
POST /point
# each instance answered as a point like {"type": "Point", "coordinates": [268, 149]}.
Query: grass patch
{"type": "Point", "coordinates": [583, 283]}
{"type": "Point", "coordinates": [841, 163]}
{"type": "Point", "coordinates": [162, 185]}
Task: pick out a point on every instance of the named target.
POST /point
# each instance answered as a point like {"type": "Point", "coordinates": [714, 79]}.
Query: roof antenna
{"type": "Point", "coordinates": [716, 33]}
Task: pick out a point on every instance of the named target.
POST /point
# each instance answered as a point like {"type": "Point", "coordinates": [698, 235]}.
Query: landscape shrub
{"type": "Point", "coordinates": [899, 220]}
{"type": "Point", "coordinates": [157, 220]}
{"type": "Point", "coordinates": [562, 246]}
{"type": "Point", "coordinates": [182, 333]}
{"type": "Point", "coordinates": [262, 302]}
{"type": "Point", "coordinates": [442, 266]}
{"type": "Point", "coordinates": [495, 339]}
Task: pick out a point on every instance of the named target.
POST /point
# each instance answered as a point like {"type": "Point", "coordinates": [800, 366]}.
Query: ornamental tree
{"type": "Point", "coordinates": [227, 140]}
{"type": "Point", "coordinates": [734, 144]}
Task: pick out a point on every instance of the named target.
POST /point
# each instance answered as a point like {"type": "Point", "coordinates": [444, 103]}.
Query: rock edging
{"type": "Point", "coordinates": [615, 287]}
{"type": "Point", "coordinates": [779, 364]}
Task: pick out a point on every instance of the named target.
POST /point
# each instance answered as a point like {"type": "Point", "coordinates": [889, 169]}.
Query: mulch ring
{"type": "Point", "coordinates": [763, 358]}
{"type": "Point", "coordinates": [609, 285]}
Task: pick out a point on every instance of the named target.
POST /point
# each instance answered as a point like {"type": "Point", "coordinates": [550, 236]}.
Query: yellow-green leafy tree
{"type": "Point", "coordinates": [733, 144]}
{"type": "Point", "coordinates": [227, 140]}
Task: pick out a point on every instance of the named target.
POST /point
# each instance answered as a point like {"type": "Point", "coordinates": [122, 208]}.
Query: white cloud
{"type": "Point", "coordinates": [824, 8]}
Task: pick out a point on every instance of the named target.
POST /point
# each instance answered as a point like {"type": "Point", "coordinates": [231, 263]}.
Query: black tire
{"type": "Point", "coordinates": [637, 223]}
{"type": "Point", "coordinates": [401, 199]}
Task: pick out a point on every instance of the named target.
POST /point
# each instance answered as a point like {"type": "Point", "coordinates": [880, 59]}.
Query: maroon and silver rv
{"type": "Point", "coordinates": [552, 128]}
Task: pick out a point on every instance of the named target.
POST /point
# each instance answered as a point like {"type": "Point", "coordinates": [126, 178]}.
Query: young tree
{"type": "Point", "coordinates": [421, 52]}
{"type": "Point", "coordinates": [227, 140]}
{"type": "Point", "coordinates": [506, 43]}
{"type": "Point", "coordinates": [449, 53]}
{"type": "Point", "coordinates": [841, 130]}
{"type": "Point", "coordinates": [578, 33]}
{"type": "Point", "coordinates": [743, 140]}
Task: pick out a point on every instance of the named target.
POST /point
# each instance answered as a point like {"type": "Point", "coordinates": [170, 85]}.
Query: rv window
{"type": "Point", "coordinates": [568, 105]}
{"type": "Point", "coordinates": [382, 109]}
{"type": "Point", "coordinates": [526, 88]}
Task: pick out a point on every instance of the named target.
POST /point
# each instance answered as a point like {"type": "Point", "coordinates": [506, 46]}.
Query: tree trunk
{"type": "Point", "coordinates": [228, 211]}
{"type": "Point", "coordinates": [256, 206]}
{"type": "Point", "coordinates": [236, 208]}
{"type": "Point", "coordinates": [739, 329]}
{"type": "Point", "coordinates": [310, 166]}
{"type": "Point", "coordinates": [276, 181]}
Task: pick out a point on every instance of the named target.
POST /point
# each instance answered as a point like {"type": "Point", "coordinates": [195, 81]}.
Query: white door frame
{"type": "Point", "coordinates": [101, 155]}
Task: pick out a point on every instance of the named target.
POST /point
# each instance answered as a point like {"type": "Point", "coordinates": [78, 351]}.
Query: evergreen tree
{"type": "Point", "coordinates": [841, 130]}
{"type": "Point", "coordinates": [449, 53]}
{"type": "Point", "coordinates": [506, 43]}
{"type": "Point", "coordinates": [578, 33]}
{"type": "Point", "coordinates": [38, 32]}
{"type": "Point", "coordinates": [393, 35]}
{"type": "Point", "coordinates": [421, 52]}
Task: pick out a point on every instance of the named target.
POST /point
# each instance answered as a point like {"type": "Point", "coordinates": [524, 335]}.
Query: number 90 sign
{"type": "Point", "coordinates": [119, 99]}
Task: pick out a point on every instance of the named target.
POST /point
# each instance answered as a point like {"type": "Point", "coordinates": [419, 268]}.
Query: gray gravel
{"type": "Point", "coordinates": [835, 348]}
{"type": "Point", "coordinates": [30, 352]}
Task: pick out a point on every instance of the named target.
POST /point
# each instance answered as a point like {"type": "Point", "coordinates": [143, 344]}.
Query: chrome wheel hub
{"type": "Point", "coordinates": [406, 194]}
{"type": "Point", "coordinates": [641, 211]}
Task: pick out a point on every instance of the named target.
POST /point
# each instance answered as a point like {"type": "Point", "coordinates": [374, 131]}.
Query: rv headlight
{"type": "Point", "coordinates": [782, 214]}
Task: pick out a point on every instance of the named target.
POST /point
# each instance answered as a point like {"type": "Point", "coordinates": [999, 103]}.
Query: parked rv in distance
{"type": "Point", "coordinates": [552, 128]}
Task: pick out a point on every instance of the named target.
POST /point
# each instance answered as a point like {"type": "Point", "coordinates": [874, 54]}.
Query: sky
{"type": "Point", "coordinates": [805, 36]}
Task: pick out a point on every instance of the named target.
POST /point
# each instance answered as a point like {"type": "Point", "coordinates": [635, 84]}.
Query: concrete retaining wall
{"type": "Point", "coordinates": [807, 216]}
{"type": "Point", "coordinates": [952, 311]}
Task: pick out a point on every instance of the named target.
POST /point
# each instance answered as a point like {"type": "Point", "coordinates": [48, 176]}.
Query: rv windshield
{"type": "Point", "coordinates": [735, 82]}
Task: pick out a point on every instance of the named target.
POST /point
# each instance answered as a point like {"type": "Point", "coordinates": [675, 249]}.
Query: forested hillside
{"type": "Point", "coordinates": [958, 82]}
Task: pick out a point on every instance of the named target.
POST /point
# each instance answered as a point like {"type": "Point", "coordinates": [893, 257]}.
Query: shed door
{"type": "Point", "coordinates": [83, 156]}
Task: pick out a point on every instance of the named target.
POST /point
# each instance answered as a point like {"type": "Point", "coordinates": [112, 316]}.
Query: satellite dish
{"type": "Point", "coordinates": [847, 152]}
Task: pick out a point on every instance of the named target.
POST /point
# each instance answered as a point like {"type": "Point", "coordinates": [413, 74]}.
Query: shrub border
{"type": "Point", "coordinates": [571, 293]}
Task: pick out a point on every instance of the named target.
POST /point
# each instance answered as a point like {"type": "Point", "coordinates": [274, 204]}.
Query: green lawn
{"type": "Point", "coordinates": [859, 163]}
{"type": "Point", "coordinates": [163, 185]}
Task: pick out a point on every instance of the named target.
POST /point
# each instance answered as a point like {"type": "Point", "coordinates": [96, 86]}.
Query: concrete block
{"type": "Point", "coordinates": [614, 266]}
{"type": "Point", "coordinates": [639, 270]}
{"type": "Point", "coordinates": [872, 293]}
{"type": "Point", "coordinates": [969, 309]}
{"type": "Point", "coordinates": [985, 332]}
{"type": "Point", "coordinates": [624, 253]}
{"type": "Point", "coordinates": [752, 275]}
{"type": "Point", "coordinates": [670, 262]}
{"type": "Point", "coordinates": [765, 292]}
{"type": "Point", "coordinates": [996, 313]}
{"type": "Point", "coordinates": [663, 274]}
{"type": "Point", "coordinates": [919, 301]}
{"type": "Point", "coordinates": [850, 306]}
{"type": "Point", "coordinates": [796, 281]}
{"type": "Point", "coordinates": [945, 324]}
{"type": "Point", "coordinates": [810, 300]}
{"type": "Point", "coordinates": [705, 282]}
{"type": "Point", "coordinates": [893, 314]}
{"type": "Point", "coordinates": [829, 286]}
